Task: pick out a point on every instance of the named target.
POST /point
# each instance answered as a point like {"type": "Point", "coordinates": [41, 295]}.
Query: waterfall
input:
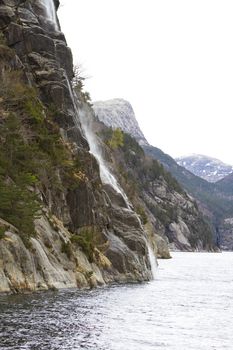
{"type": "Point", "coordinates": [50, 12]}
{"type": "Point", "coordinates": [106, 176]}
{"type": "Point", "coordinates": [152, 259]}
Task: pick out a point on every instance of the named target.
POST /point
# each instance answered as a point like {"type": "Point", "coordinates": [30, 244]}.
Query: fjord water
{"type": "Point", "coordinates": [188, 306]}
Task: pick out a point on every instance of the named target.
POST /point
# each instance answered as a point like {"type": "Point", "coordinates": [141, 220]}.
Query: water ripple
{"type": "Point", "coordinates": [189, 306]}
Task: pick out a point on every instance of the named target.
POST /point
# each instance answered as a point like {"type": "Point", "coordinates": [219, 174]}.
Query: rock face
{"type": "Point", "coordinates": [118, 113]}
{"type": "Point", "coordinates": [47, 264]}
{"type": "Point", "coordinates": [226, 234]}
{"type": "Point", "coordinates": [85, 236]}
{"type": "Point", "coordinates": [215, 200]}
{"type": "Point", "coordinates": [207, 168]}
{"type": "Point", "coordinates": [178, 218]}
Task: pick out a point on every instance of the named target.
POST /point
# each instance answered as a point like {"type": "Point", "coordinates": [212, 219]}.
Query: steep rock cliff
{"type": "Point", "coordinates": [214, 199]}
{"type": "Point", "coordinates": [84, 235]}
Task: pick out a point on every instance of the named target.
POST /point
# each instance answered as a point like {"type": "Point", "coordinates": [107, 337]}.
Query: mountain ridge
{"type": "Point", "coordinates": [208, 168]}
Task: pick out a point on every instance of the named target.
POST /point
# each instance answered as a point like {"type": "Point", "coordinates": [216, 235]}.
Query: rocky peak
{"type": "Point", "coordinates": [118, 113]}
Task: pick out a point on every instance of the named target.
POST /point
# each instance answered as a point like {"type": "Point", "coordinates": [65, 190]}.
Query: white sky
{"type": "Point", "coordinates": [171, 59]}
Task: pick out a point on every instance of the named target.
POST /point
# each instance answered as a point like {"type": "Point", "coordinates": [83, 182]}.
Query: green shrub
{"type": "Point", "coordinates": [18, 206]}
{"type": "Point", "coordinates": [66, 249]}
{"type": "Point", "coordinates": [141, 212]}
{"type": "Point", "coordinates": [166, 214]}
{"type": "Point", "coordinates": [86, 241]}
{"type": "Point", "coordinates": [117, 139]}
{"type": "Point", "coordinates": [2, 232]}
{"type": "Point", "coordinates": [34, 159]}
{"type": "Point", "coordinates": [32, 154]}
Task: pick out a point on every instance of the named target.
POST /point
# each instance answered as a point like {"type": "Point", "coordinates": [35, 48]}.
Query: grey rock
{"type": "Point", "coordinates": [6, 16]}
{"type": "Point", "coordinates": [65, 58]}
{"type": "Point", "coordinates": [14, 34]}
{"type": "Point", "coordinates": [43, 265]}
{"type": "Point", "coordinates": [26, 16]}
{"type": "Point", "coordinates": [40, 43]}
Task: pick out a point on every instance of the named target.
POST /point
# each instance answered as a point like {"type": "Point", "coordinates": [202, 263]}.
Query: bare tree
{"type": "Point", "coordinates": [78, 81]}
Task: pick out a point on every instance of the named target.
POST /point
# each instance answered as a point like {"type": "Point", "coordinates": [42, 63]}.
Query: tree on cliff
{"type": "Point", "coordinates": [78, 83]}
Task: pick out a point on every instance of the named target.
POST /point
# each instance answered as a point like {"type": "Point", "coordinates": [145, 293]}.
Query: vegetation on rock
{"type": "Point", "coordinates": [32, 154]}
{"type": "Point", "coordinates": [78, 84]}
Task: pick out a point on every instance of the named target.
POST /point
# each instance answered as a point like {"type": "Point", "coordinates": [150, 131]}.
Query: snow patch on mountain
{"type": "Point", "coordinates": [208, 168]}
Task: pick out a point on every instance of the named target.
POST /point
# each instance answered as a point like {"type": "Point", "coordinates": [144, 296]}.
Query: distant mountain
{"type": "Point", "coordinates": [191, 182]}
{"type": "Point", "coordinates": [215, 199]}
{"type": "Point", "coordinates": [118, 113]}
{"type": "Point", "coordinates": [207, 168]}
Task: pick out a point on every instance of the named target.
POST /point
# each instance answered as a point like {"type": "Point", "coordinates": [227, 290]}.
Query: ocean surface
{"type": "Point", "coordinates": [188, 306]}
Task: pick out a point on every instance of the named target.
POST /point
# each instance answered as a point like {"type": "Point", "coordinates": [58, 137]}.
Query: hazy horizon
{"type": "Point", "coordinates": [171, 60]}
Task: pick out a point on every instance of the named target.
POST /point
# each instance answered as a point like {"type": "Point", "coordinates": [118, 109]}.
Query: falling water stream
{"type": "Point", "coordinates": [106, 176]}
{"type": "Point", "coordinates": [50, 12]}
{"type": "Point", "coordinates": [153, 261]}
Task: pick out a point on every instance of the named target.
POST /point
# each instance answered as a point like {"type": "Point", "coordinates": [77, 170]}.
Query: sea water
{"type": "Point", "coordinates": [188, 306]}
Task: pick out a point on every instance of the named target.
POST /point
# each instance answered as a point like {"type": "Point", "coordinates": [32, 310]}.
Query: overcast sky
{"type": "Point", "coordinates": [171, 59]}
